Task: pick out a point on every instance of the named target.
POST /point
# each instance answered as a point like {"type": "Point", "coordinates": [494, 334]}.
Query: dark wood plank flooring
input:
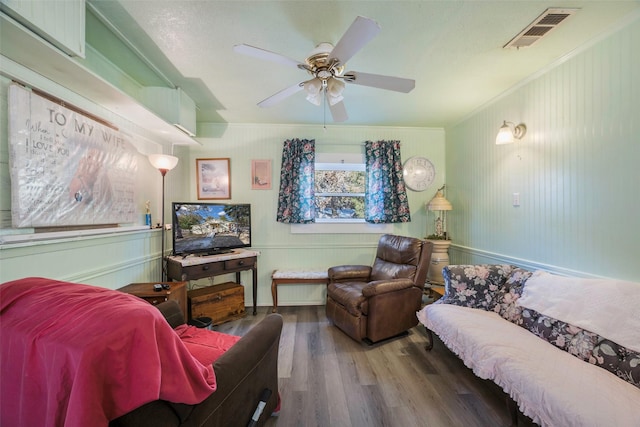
{"type": "Point", "coordinates": [328, 379]}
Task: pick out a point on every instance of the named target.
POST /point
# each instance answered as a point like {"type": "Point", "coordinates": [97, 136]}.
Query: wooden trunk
{"type": "Point", "coordinates": [222, 303]}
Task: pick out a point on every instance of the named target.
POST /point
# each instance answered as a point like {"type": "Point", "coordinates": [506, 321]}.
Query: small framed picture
{"type": "Point", "coordinates": [213, 177]}
{"type": "Point", "coordinates": [260, 174]}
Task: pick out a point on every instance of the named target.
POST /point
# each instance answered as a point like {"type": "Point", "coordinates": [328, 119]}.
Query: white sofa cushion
{"type": "Point", "coordinates": [610, 308]}
{"type": "Point", "coordinates": [551, 387]}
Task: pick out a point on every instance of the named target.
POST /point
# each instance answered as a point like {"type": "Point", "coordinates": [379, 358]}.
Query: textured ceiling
{"type": "Point", "coordinates": [453, 49]}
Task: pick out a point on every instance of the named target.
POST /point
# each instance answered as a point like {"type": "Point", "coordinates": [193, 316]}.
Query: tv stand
{"type": "Point", "coordinates": [217, 252]}
{"type": "Point", "coordinates": [182, 269]}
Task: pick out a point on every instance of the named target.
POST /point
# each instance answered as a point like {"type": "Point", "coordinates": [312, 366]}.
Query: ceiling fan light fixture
{"type": "Point", "coordinates": [333, 100]}
{"type": "Point", "coordinates": [314, 99]}
{"type": "Point", "coordinates": [334, 91]}
{"type": "Point", "coordinates": [313, 86]}
{"type": "Point", "coordinates": [335, 87]}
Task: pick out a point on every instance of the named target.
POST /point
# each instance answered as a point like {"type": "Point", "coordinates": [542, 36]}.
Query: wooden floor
{"type": "Point", "coordinates": [328, 379]}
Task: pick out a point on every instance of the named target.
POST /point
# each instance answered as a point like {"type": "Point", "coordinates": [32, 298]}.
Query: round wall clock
{"type": "Point", "coordinates": [418, 173]}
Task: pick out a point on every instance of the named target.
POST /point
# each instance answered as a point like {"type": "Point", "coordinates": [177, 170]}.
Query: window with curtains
{"type": "Point", "coordinates": [339, 188]}
{"type": "Point", "coordinates": [370, 190]}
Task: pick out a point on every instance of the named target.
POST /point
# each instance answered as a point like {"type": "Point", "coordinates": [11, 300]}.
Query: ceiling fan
{"type": "Point", "coordinates": [326, 64]}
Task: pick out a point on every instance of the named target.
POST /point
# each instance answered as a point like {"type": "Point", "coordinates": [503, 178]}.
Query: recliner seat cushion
{"type": "Point", "coordinates": [349, 295]}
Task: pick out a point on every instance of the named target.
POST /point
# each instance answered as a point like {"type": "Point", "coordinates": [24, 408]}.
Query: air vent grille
{"type": "Point", "coordinates": [540, 27]}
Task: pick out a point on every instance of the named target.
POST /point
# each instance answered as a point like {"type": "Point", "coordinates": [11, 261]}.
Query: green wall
{"type": "Point", "coordinates": [576, 170]}
{"type": "Point", "coordinates": [115, 259]}
{"type": "Point", "coordinates": [111, 259]}
{"type": "Point", "coordinates": [279, 248]}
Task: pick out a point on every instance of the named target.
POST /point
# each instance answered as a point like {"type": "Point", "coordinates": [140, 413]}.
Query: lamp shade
{"type": "Point", "coordinates": [313, 88]}
{"type": "Point", "coordinates": [163, 162]}
{"type": "Point", "coordinates": [334, 91]}
{"type": "Point", "coordinates": [505, 135]}
{"type": "Point", "coordinates": [509, 132]}
{"type": "Point", "coordinates": [439, 203]}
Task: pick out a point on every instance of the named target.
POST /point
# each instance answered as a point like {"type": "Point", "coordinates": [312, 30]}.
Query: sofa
{"type": "Point", "coordinates": [78, 355]}
{"type": "Point", "coordinates": [374, 303]}
{"type": "Point", "coordinates": [565, 349]}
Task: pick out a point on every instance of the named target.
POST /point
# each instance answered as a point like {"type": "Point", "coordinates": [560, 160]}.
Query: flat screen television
{"type": "Point", "coordinates": [210, 228]}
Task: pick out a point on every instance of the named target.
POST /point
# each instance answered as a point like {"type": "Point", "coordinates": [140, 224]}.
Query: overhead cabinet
{"type": "Point", "coordinates": [61, 23]}
{"type": "Point", "coordinates": [172, 105]}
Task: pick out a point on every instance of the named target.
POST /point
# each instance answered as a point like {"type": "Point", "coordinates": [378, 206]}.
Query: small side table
{"type": "Point", "coordinates": [177, 292]}
{"type": "Point", "coordinates": [436, 291]}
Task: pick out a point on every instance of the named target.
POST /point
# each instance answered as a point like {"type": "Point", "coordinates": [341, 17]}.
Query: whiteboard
{"type": "Point", "coordinates": [66, 168]}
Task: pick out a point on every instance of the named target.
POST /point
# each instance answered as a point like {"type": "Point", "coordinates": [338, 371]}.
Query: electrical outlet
{"type": "Point", "coordinates": [516, 199]}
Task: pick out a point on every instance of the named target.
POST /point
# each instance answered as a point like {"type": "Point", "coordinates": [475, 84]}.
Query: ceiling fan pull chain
{"type": "Point", "coordinates": [324, 105]}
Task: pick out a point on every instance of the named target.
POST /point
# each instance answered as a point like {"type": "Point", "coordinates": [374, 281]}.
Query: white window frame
{"type": "Point", "coordinates": [340, 161]}
{"type": "Point", "coordinates": [340, 167]}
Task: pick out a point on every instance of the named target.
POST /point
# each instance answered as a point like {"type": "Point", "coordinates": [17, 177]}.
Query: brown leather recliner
{"type": "Point", "coordinates": [379, 302]}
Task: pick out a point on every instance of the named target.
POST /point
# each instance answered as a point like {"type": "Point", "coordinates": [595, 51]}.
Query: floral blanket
{"type": "Point", "coordinates": [551, 386]}
{"type": "Point", "coordinates": [499, 287]}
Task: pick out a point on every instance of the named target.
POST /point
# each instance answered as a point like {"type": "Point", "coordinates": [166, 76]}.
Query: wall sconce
{"type": "Point", "coordinates": [164, 163]}
{"type": "Point", "coordinates": [509, 132]}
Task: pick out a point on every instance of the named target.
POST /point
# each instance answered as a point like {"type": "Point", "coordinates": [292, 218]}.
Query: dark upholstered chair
{"type": "Point", "coordinates": [379, 302]}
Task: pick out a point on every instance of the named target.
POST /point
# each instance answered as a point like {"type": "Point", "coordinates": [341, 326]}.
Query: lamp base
{"type": "Point", "coordinates": [439, 260]}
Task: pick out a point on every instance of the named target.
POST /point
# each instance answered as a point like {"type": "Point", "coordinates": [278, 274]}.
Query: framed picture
{"type": "Point", "coordinates": [260, 174]}
{"type": "Point", "coordinates": [214, 179]}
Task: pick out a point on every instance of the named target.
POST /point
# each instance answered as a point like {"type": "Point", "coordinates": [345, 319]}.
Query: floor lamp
{"type": "Point", "coordinates": [164, 163]}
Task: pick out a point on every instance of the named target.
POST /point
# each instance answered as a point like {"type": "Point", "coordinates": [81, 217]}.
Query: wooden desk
{"type": "Point", "coordinates": [177, 292]}
{"type": "Point", "coordinates": [195, 267]}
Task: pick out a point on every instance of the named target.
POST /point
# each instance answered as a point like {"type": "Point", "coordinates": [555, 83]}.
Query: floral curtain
{"type": "Point", "coordinates": [296, 198]}
{"type": "Point", "coordinates": [385, 199]}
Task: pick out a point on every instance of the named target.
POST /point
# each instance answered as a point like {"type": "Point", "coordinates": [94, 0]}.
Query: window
{"type": "Point", "coordinates": [339, 192]}
{"type": "Point", "coordinates": [340, 187]}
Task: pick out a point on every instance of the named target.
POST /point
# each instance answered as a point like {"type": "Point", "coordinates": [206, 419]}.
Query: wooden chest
{"type": "Point", "coordinates": [222, 303]}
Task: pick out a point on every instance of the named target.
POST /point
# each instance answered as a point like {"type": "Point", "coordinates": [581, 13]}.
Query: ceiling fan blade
{"type": "Point", "coordinates": [259, 53]}
{"type": "Point", "coordinates": [284, 93]}
{"type": "Point", "coordinates": [361, 31]}
{"type": "Point", "coordinates": [338, 112]}
{"type": "Point", "coordinates": [397, 84]}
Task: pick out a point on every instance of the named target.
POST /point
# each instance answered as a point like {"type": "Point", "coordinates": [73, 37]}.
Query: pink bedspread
{"type": "Point", "coordinates": [205, 345]}
{"type": "Point", "coordinates": [78, 355]}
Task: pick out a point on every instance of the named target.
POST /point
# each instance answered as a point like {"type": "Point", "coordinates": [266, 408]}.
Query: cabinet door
{"type": "Point", "coordinates": [61, 23]}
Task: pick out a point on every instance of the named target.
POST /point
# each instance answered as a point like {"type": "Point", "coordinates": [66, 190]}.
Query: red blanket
{"type": "Point", "coordinates": [205, 345]}
{"type": "Point", "coordinates": [79, 355]}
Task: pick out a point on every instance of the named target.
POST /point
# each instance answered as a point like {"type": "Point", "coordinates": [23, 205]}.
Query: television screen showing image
{"type": "Point", "coordinates": [210, 228]}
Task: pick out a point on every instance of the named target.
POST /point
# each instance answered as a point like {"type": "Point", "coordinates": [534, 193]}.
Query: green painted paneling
{"type": "Point", "coordinates": [101, 39]}
{"type": "Point", "coordinates": [576, 170]}
{"type": "Point", "coordinates": [280, 249]}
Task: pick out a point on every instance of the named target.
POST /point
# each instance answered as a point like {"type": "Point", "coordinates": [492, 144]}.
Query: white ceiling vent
{"type": "Point", "coordinates": [540, 27]}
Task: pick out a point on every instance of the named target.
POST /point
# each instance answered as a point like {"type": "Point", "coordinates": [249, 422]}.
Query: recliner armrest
{"type": "Point", "coordinates": [172, 312]}
{"type": "Point", "coordinates": [344, 273]}
{"type": "Point", "coordinates": [379, 287]}
{"type": "Point", "coordinates": [243, 372]}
